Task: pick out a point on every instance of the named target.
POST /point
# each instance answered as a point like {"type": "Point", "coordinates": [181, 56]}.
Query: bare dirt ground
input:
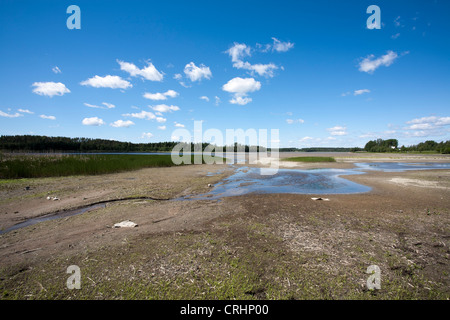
{"type": "Point", "coordinates": [276, 246]}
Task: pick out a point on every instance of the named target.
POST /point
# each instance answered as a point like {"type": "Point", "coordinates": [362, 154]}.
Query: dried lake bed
{"type": "Point", "coordinates": [245, 246]}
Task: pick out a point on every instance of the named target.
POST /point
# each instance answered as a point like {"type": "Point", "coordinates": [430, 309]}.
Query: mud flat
{"type": "Point", "coordinates": [253, 246]}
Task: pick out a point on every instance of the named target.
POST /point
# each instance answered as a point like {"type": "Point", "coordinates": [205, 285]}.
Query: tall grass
{"type": "Point", "coordinates": [36, 166]}
{"type": "Point", "coordinates": [310, 159]}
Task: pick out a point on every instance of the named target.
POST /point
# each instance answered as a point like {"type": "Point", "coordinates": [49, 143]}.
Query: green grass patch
{"type": "Point", "coordinates": [38, 166]}
{"type": "Point", "coordinates": [310, 159]}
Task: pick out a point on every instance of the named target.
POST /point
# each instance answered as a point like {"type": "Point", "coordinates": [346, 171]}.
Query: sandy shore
{"type": "Point", "coordinates": [402, 225]}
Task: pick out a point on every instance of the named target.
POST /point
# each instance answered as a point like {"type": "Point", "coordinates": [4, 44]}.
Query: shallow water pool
{"type": "Point", "coordinates": [248, 180]}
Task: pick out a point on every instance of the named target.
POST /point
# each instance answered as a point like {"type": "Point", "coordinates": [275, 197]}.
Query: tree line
{"type": "Point", "coordinates": [33, 143]}
{"type": "Point", "coordinates": [391, 145]}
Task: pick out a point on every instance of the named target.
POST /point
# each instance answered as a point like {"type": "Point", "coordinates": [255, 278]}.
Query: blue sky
{"type": "Point", "coordinates": [138, 70]}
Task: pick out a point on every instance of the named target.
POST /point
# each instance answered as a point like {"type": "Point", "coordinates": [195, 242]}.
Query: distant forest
{"type": "Point", "coordinates": [391, 145]}
{"type": "Point", "coordinates": [32, 143]}
{"type": "Point", "coordinates": [316, 149]}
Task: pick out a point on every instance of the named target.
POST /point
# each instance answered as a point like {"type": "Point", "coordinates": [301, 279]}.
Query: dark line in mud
{"type": "Point", "coordinates": [65, 213]}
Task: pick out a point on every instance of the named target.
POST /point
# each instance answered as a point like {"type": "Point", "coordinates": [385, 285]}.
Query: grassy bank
{"type": "Point", "coordinates": [37, 166]}
{"type": "Point", "coordinates": [310, 159]}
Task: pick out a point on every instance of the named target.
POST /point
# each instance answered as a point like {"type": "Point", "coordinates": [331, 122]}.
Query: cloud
{"type": "Point", "coordinates": [162, 127]}
{"type": "Point", "coordinates": [43, 116]}
{"type": "Point", "coordinates": [122, 124]}
{"type": "Point", "coordinates": [94, 121]}
{"type": "Point", "coordinates": [291, 121]}
{"type": "Point", "coordinates": [50, 88]}
{"type": "Point", "coordinates": [179, 125]}
{"type": "Point", "coordinates": [280, 46]}
{"type": "Point", "coordinates": [177, 76]}
{"type": "Point", "coordinates": [164, 108]}
{"type": "Point", "coordinates": [148, 73]}
{"type": "Point", "coordinates": [26, 111]}
{"type": "Point", "coordinates": [239, 51]}
{"type": "Point", "coordinates": [217, 100]}
{"type": "Point", "coordinates": [428, 123]}
{"type": "Point", "coordinates": [106, 105]}
{"type": "Point", "coordinates": [113, 82]}
{"type": "Point", "coordinates": [197, 73]}
{"type": "Point", "coordinates": [141, 115]}
{"type": "Point", "coordinates": [204, 98]}
{"type": "Point", "coordinates": [56, 70]}
{"type": "Point", "coordinates": [147, 135]}
{"type": "Point", "coordinates": [395, 36]}
{"type": "Point", "coordinates": [305, 139]}
{"type": "Point", "coordinates": [161, 119]}
{"type": "Point", "coordinates": [161, 96]}
{"type": "Point", "coordinates": [7, 115]}
{"type": "Point", "coordinates": [370, 64]}
{"type": "Point", "coordinates": [240, 87]}
{"type": "Point", "coordinates": [241, 100]}
{"type": "Point", "coordinates": [266, 70]}
{"type": "Point", "coordinates": [361, 91]}
{"type": "Point", "coordinates": [337, 131]}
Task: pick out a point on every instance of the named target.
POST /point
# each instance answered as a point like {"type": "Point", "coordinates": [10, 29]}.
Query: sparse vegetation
{"type": "Point", "coordinates": [310, 159]}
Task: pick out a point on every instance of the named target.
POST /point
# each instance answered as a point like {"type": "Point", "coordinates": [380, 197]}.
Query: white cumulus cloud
{"type": "Point", "coordinates": [370, 63]}
{"type": "Point", "coordinates": [50, 88]}
{"type": "Point", "coordinates": [141, 115]}
{"type": "Point", "coordinates": [149, 73]}
{"type": "Point", "coordinates": [337, 131]}
{"type": "Point", "coordinates": [122, 124]}
{"type": "Point", "coordinates": [147, 135]}
{"type": "Point", "coordinates": [240, 87]}
{"type": "Point", "coordinates": [8, 115]}
{"type": "Point", "coordinates": [428, 123]}
{"type": "Point", "coordinates": [197, 73]}
{"type": "Point", "coordinates": [164, 108]}
{"type": "Point", "coordinates": [113, 82]}
{"type": "Point", "coordinates": [94, 121]}
{"type": "Point", "coordinates": [239, 51]}
{"type": "Point", "coordinates": [161, 96]}
{"type": "Point", "coordinates": [281, 46]}
{"type": "Point", "coordinates": [26, 111]}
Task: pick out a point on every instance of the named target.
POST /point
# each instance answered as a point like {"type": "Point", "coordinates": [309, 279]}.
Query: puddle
{"type": "Point", "coordinates": [319, 181]}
